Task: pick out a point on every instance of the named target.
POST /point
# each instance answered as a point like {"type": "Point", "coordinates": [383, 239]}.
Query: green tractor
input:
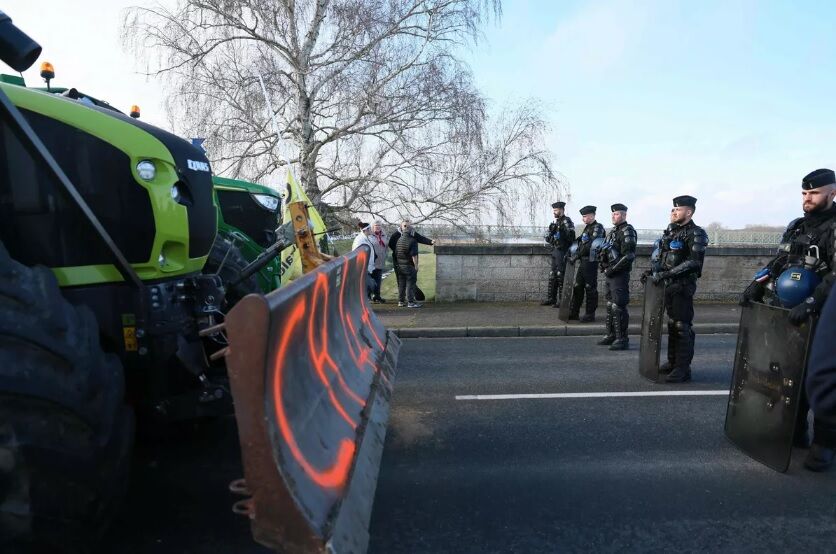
{"type": "Point", "coordinates": [248, 215]}
{"type": "Point", "coordinates": [105, 225]}
{"type": "Point", "coordinates": [248, 224]}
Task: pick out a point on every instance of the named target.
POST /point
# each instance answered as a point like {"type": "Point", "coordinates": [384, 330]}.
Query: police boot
{"type": "Point", "coordinates": [620, 324]}
{"type": "Point", "coordinates": [820, 457]}
{"type": "Point", "coordinates": [552, 291]}
{"type": "Point", "coordinates": [610, 336]}
{"type": "Point", "coordinates": [681, 372]}
{"type": "Point", "coordinates": [666, 367]}
{"type": "Point", "coordinates": [591, 305]}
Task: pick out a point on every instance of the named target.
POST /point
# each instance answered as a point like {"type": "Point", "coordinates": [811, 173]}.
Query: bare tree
{"type": "Point", "coordinates": [384, 117]}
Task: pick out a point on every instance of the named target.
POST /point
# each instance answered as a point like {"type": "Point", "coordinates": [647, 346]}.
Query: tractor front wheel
{"type": "Point", "coordinates": [65, 431]}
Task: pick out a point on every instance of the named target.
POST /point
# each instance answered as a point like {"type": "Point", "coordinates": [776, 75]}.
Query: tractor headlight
{"type": "Point", "coordinates": [146, 170]}
{"type": "Point", "coordinates": [161, 260]}
{"type": "Point", "coordinates": [269, 202]}
{"type": "Point", "coordinates": [175, 193]}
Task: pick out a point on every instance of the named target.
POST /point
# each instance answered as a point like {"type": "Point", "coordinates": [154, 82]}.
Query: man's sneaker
{"type": "Point", "coordinates": [413, 305]}
{"type": "Point", "coordinates": [401, 304]}
{"type": "Point", "coordinates": [380, 300]}
{"type": "Point", "coordinates": [588, 318]}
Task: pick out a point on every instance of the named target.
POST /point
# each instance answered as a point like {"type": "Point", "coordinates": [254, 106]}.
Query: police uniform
{"type": "Point", "coordinates": [586, 275]}
{"type": "Point", "coordinates": [807, 243]}
{"type": "Point", "coordinates": [682, 252]}
{"type": "Point", "coordinates": [560, 236]}
{"type": "Point", "coordinates": [800, 278]}
{"type": "Point", "coordinates": [616, 260]}
{"type": "Point", "coordinates": [821, 389]}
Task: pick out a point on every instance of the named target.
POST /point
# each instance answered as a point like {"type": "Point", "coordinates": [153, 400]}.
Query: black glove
{"type": "Point", "coordinates": [644, 276]}
{"type": "Point", "coordinates": [800, 313]}
{"type": "Point", "coordinates": [751, 292]}
{"type": "Point", "coordinates": [659, 277]}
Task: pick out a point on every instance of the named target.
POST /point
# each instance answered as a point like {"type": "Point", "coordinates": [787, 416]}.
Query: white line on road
{"type": "Point", "coordinates": [592, 395]}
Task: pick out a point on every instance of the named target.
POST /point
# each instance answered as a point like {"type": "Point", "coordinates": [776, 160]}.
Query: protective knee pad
{"type": "Point", "coordinates": [681, 327]}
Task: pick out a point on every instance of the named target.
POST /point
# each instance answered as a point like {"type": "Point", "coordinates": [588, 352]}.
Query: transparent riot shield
{"type": "Point", "coordinates": [767, 384]}
{"type": "Point", "coordinates": [568, 291]}
{"type": "Point", "coordinates": [651, 340]}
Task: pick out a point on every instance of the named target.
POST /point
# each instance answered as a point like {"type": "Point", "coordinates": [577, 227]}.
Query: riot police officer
{"type": "Point", "coordinates": [821, 389]}
{"type": "Point", "coordinates": [800, 277]}
{"type": "Point", "coordinates": [681, 257]}
{"type": "Point", "coordinates": [586, 275]}
{"type": "Point", "coordinates": [560, 236]}
{"type": "Point", "coordinates": [616, 260]}
{"type": "Point", "coordinates": [806, 244]}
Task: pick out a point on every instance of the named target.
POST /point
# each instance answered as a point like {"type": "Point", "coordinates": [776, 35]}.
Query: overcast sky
{"type": "Point", "coordinates": [732, 102]}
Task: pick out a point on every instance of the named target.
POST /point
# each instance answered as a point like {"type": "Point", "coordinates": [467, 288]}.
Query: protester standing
{"type": "Point", "coordinates": [393, 241]}
{"type": "Point", "coordinates": [406, 266]}
{"type": "Point", "coordinates": [379, 241]}
{"type": "Point", "coordinates": [363, 239]}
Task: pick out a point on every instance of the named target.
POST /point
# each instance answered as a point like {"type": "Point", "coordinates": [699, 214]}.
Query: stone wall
{"type": "Point", "coordinates": [519, 273]}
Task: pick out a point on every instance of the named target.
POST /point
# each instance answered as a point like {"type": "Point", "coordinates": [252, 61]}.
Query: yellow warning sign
{"type": "Point", "coordinates": [129, 334]}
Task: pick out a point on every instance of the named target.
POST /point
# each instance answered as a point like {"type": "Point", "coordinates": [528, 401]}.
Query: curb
{"type": "Point", "coordinates": [542, 331]}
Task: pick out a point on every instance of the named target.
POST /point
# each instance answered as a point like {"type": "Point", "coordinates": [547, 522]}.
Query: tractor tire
{"type": "Point", "coordinates": [65, 431]}
{"type": "Point", "coordinates": [226, 253]}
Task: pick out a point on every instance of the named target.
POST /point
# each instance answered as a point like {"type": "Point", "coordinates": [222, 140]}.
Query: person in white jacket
{"type": "Point", "coordinates": [362, 238]}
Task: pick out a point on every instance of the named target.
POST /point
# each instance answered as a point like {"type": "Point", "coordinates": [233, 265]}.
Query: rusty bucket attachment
{"type": "Point", "coordinates": [311, 370]}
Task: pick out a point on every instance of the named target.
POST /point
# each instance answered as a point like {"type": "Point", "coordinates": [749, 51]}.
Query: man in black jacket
{"type": "Point", "coordinates": [821, 389]}
{"type": "Point", "coordinates": [616, 260]}
{"type": "Point", "coordinates": [406, 225]}
{"type": "Point", "coordinates": [560, 236]}
{"type": "Point", "coordinates": [813, 235]}
{"type": "Point", "coordinates": [682, 254]}
{"type": "Point", "coordinates": [808, 248]}
{"type": "Point", "coordinates": [586, 274]}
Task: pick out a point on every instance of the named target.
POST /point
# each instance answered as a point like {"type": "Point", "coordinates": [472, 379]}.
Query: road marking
{"type": "Point", "coordinates": [592, 395]}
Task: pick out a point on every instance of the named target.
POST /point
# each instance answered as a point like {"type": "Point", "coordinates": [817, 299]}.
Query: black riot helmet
{"type": "Point", "coordinates": [17, 49]}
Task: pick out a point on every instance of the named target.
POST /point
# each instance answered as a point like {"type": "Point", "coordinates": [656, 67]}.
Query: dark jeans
{"type": "Point", "coordinates": [821, 376]}
{"type": "Point", "coordinates": [377, 277]}
{"type": "Point", "coordinates": [407, 281]}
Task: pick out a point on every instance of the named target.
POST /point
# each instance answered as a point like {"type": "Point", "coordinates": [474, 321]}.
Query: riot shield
{"type": "Point", "coordinates": [651, 340]}
{"type": "Point", "coordinates": [767, 384]}
{"type": "Point", "coordinates": [568, 290]}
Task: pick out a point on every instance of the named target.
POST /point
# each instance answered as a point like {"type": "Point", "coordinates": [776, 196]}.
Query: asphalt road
{"type": "Point", "coordinates": [545, 475]}
{"type": "Point", "coordinates": [578, 474]}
